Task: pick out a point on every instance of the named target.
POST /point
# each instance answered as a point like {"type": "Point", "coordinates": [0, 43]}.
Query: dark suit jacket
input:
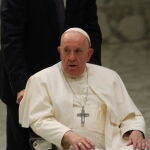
{"type": "Point", "coordinates": [31, 32]}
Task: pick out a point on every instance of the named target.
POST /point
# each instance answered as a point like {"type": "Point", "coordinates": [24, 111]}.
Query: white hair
{"type": "Point", "coordinates": [80, 31]}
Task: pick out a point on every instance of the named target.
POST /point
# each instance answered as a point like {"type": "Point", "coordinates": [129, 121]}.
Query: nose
{"type": "Point", "coordinates": [72, 56]}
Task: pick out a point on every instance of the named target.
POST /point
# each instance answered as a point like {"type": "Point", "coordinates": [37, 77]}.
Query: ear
{"type": "Point", "coordinates": [58, 49]}
{"type": "Point", "coordinates": [90, 53]}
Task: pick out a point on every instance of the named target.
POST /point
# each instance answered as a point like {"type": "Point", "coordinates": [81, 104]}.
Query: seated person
{"type": "Point", "coordinates": [81, 106]}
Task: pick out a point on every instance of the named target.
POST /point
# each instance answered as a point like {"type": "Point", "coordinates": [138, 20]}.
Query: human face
{"type": "Point", "coordinates": [74, 53]}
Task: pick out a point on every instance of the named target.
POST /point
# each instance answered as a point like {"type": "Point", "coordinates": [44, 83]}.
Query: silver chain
{"type": "Point", "coordinates": [73, 92]}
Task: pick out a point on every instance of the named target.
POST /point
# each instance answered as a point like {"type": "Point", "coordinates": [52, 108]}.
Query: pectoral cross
{"type": "Point", "coordinates": [82, 115]}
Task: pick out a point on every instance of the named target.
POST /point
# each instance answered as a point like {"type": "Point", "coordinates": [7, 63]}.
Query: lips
{"type": "Point", "coordinates": [72, 65]}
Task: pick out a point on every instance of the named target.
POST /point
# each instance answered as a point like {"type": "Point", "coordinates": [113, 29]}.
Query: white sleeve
{"type": "Point", "coordinates": [36, 111]}
{"type": "Point", "coordinates": [133, 122]}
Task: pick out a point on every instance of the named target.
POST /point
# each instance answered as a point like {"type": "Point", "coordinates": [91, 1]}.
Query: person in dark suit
{"type": "Point", "coordinates": [31, 32]}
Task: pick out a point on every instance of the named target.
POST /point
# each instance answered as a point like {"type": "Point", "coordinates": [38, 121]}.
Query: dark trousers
{"type": "Point", "coordinates": [17, 137]}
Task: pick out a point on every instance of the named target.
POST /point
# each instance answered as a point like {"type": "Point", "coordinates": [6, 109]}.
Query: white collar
{"type": "Point", "coordinates": [65, 3]}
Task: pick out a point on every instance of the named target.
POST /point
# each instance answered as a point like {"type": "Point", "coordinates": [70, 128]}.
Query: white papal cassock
{"type": "Point", "coordinates": [52, 106]}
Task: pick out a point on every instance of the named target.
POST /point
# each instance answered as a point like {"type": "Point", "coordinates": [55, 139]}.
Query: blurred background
{"type": "Point", "coordinates": [125, 29]}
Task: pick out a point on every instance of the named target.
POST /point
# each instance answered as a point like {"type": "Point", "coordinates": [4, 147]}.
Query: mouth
{"type": "Point", "coordinates": [72, 66]}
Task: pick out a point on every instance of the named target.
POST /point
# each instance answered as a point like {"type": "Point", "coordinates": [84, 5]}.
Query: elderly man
{"type": "Point", "coordinates": [76, 105]}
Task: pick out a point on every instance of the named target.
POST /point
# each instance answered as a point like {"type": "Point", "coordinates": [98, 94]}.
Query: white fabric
{"type": "Point", "coordinates": [44, 145]}
{"type": "Point", "coordinates": [48, 107]}
{"type": "Point", "coordinates": [41, 144]}
{"type": "Point", "coordinates": [84, 96]}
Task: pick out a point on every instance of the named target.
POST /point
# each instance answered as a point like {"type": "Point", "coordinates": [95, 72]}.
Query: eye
{"type": "Point", "coordinates": [66, 50]}
{"type": "Point", "coordinates": [78, 51]}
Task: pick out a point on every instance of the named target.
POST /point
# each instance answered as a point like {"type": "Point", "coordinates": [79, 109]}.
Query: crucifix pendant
{"type": "Point", "coordinates": [83, 115]}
